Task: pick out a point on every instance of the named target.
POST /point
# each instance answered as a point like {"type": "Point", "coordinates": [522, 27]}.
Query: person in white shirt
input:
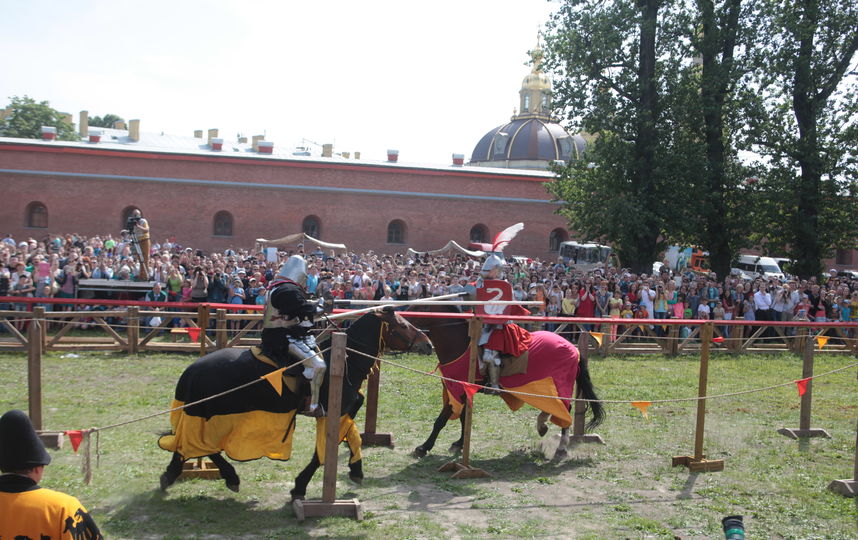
{"type": "Point", "coordinates": [647, 296]}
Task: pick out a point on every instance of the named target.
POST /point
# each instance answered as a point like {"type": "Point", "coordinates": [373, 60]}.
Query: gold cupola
{"type": "Point", "coordinates": [535, 93]}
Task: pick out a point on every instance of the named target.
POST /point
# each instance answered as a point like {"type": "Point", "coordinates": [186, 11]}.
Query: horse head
{"type": "Point", "coordinates": [400, 335]}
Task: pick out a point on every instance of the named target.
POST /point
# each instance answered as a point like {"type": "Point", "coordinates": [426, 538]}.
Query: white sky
{"type": "Point", "coordinates": [426, 78]}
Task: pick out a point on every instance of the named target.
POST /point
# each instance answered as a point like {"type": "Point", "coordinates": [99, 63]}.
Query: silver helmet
{"type": "Point", "coordinates": [295, 269]}
{"type": "Point", "coordinates": [493, 261]}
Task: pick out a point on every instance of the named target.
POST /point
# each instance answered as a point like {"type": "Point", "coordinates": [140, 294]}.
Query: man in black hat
{"type": "Point", "coordinates": [28, 510]}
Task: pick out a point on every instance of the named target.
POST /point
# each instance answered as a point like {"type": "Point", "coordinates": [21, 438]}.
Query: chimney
{"type": "Point", "coordinates": [393, 156]}
{"type": "Point", "coordinates": [134, 130]}
{"type": "Point", "coordinates": [458, 160]}
{"type": "Point", "coordinates": [95, 136]}
{"type": "Point", "coordinates": [198, 134]}
{"type": "Point", "coordinates": [357, 155]}
{"type": "Point", "coordinates": [119, 124]}
{"type": "Point", "coordinates": [217, 144]}
{"type": "Point", "coordinates": [49, 133]}
{"type": "Point", "coordinates": [265, 147]}
{"type": "Point", "coordinates": [241, 140]}
{"type": "Point", "coordinates": [347, 155]}
{"type": "Point", "coordinates": [255, 141]}
{"type": "Point", "coordinates": [212, 134]}
{"type": "Point", "coordinates": [327, 150]}
{"type": "Point", "coordinates": [83, 127]}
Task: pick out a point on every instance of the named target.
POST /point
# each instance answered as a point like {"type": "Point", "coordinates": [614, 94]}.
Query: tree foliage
{"type": "Point", "coordinates": [106, 121]}
{"type": "Point", "coordinates": [28, 116]}
{"type": "Point", "coordinates": [681, 96]}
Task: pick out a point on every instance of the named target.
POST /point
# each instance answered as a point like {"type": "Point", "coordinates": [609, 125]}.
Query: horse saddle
{"type": "Point", "coordinates": [513, 365]}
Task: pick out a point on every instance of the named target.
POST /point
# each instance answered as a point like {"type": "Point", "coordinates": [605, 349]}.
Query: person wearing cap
{"type": "Point", "coordinates": [28, 510]}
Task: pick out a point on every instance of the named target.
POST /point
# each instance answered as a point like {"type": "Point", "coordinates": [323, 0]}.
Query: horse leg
{"type": "Point", "coordinates": [227, 471]}
{"type": "Point", "coordinates": [355, 469]}
{"type": "Point", "coordinates": [541, 426]}
{"type": "Point", "coordinates": [440, 422]}
{"type": "Point", "coordinates": [174, 470]}
{"type": "Point", "coordinates": [301, 481]}
{"type": "Point", "coordinates": [564, 443]}
{"type": "Point", "coordinates": [457, 446]}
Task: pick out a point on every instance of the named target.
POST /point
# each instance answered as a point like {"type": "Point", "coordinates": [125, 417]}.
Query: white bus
{"type": "Point", "coordinates": [586, 256]}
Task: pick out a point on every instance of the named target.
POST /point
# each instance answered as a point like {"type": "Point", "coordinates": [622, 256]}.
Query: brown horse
{"type": "Point", "coordinates": [256, 421]}
{"type": "Point", "coordinates": [552, 364]}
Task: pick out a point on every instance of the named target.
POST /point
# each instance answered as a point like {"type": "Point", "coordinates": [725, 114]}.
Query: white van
{"type": "Point", "coordinates": [753, 265]}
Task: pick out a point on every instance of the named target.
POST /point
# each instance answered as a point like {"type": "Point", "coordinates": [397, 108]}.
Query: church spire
{"type": "Point", "coordinates": [535, 93]}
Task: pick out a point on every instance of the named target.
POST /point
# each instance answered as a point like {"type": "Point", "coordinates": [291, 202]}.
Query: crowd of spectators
{"type": "Point", "coordinates": [54, 266]}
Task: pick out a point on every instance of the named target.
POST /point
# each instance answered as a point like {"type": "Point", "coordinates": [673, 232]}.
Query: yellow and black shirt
{"type": "Point", "coordinates": [31, 512]}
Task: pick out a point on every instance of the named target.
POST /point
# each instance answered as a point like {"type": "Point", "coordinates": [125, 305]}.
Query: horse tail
{"type": "Point", "coordinates": [585, 390]}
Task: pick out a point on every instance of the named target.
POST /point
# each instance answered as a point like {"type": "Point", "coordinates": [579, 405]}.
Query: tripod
{"type": "Point", "coordinates": [131, 236]}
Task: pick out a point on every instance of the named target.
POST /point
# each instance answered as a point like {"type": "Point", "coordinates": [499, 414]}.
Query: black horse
{"type": "Point", "coordinates": [256, 421]}
{"type": "Point", "coordinates": [451, 341]}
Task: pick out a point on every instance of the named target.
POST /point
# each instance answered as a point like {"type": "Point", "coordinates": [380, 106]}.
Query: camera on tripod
{"type": "Point", "coordinates": [132, 222]}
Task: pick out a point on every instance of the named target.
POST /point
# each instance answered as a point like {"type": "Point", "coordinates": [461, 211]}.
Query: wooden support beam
{"type": "Point", "coordinates": [578, 434]}
{"type": "Point", "coordinates": [370, 437]}
{"type": "Point", "coordinates": [698, 462]}
{"type": "Point", "coordinates": [804, 430]}
{"type": "Point", "coordinates": [464, 470]}
{"type": "Point", "coordinates": [34, 370]}
{"type": "Point", "coordinates": [329, 505]}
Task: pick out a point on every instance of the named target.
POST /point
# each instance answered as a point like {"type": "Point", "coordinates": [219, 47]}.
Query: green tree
{"type": "Point", "coordinates": [28, 116]}
{"type": "Point", "coordinates": [606, 55]}
{"type": "Point", "coordinates": [803, 124]}
{"type": "Point", "coordinates": [106, 121]}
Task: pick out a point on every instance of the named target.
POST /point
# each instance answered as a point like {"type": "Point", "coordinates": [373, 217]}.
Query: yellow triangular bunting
{"type": "Point", "coordinates": [598, 337]}
{"type": "Point", "coordinates": [276, 380]}
{"type": "Point", "coordinates": [822, 340]}
{"type": "Point", "coordinates": [642, 406]}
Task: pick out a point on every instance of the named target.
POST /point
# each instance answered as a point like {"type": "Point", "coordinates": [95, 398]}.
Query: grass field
{"type": "Point", "coordinates": [624, 489]}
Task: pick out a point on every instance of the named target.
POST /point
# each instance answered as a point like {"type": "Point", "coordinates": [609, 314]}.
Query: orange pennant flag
{"type": "Point", "coordinates": [598, 337]}
{"type": "Point", "coordinates": [718, 339]}
{"type": "Point", "coordinates": [470, 390]}
{"type": "Point", "coordinates": [275, 378]}
{"type": "Point", "coordinates": [642, 406]}
{"type": "Point", "coordinates": [75, 436]}
{"type": "Point", "coordinates": [802, 385]}
{"type": "Point", "coordinates": [822, 340]}
{"type": "Point", "coordinates": [194, 334]}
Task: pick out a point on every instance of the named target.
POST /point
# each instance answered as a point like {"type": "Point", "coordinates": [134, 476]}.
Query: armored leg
{"type": "Point", "coordinates": [491, 363]}
{"type": "Point", "coordinates": [314, 370]}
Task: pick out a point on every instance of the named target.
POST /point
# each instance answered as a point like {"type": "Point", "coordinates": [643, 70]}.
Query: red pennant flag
{"type": "Point", "coordinates": [75, 436]}
{"type": "Point", "coordinates": [470, 390]}
{"type": "Point", "coordinates": [802, 385]}
{"type": "Point", "coordinates": [718, 339]}
{"type": "Point", "coordinates": [194, 334]}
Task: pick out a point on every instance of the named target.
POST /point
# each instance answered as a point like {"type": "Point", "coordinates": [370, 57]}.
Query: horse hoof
{"type": "Point", "coordinates": [418, 452]}
{"type": "Point", "coordinates": [560, 453]}
{"type": "Point", "coordinates": [456, 448]}
{"type": "Point", "coordinates": [356, 479]}
{"type": "Point", "coordinates": [165, 482]}
{"type": "Point", "coordinates": [296, 496]}
{"type": "Point", "coordinates": [542, 430]}
{"type": "Point", "coordinates": [233, 487]}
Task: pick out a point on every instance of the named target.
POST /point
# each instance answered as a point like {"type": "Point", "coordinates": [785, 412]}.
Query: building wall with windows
{"type": "Point", "coordinates": [215, 201]}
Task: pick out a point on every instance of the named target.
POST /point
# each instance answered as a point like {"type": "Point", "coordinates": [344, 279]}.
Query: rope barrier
{"type": "Point", "coordinates": [575, 400]}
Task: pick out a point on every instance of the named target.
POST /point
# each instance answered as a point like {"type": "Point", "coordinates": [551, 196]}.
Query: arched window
{"type": "Point", "coordinates": [312, 227]}
{"type": "Point", "coordinates": [555, 237]}
{"type": "Point", "coordinates": [223, 223]}
{"type": "Point", "coordinates": [479, 234]}
{"type": "Point", "coordinates": [126, 213]}
{"type": "Point", "coordinates": [37, 215]}
{"type": "Point", "coordinates": [396, 232]}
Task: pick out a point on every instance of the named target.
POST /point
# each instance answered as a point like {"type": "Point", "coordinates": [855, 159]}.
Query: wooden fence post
{"type": "Point", "coordinates": [203, 323]}
{"type": "Point", "coordinates": [369, 437]}
{"type": "Point", "coordinates": [698, 462]}
{"type": "Point", "coordinates": [133, 330]}
{"type": "Point", "coordinates": [329, 506]}
{"type": "Point", "coordinates": [804, 429]}
{"type": "Point", "coordinates": [220, 329]}
{"type": "Point", "coordinates": [464, 469]}
{"type": "Point", "coordinates": [34, 372]}
{"type": "Point", "coordinates": [578, 434]}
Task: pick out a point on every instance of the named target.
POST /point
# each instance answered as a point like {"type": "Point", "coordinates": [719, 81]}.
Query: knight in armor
{"type": "Point", "coordinates": [286, 325]}
{"type": "Point", "coordinates": [498, 337]}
